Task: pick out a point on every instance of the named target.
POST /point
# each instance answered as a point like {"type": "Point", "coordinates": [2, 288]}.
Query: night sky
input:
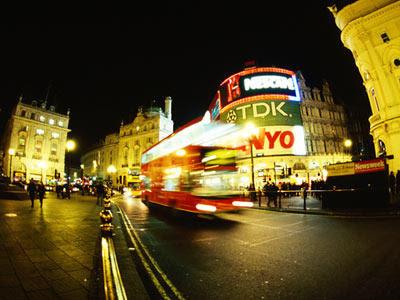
{"type": "Point", "coordinates": [103, 66]}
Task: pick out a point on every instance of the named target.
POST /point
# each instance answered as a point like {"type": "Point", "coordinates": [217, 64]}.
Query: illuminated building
{"type": "Point", "coordinates": [299, 130]}
{"type": "Point", "coordinates": [123, 150]}
{"type": "Point", "coordinates": [36, 137]}
{"type": "Point", "coordinates": [370, 29]}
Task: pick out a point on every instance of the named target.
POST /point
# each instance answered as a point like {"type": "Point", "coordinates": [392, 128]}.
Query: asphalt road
{"type": "Point", "coordinates": [258, 254]}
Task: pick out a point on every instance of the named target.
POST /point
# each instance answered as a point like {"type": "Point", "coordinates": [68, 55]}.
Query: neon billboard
{"type": "Point", "coordinates": [270, 99]}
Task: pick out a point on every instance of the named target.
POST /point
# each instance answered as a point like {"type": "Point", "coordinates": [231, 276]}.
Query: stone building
{"type": "Point", "coordinates": [371, 31]}
{"type": "Point", "coordinates": [118, 156]}
{"type": "Point", "coordinates": [34, 142]}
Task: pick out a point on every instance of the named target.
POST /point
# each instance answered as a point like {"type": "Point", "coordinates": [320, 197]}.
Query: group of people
{"type": "Point", "coordinates": [36, 190]}
{"type": "Point", "coordinates": [394, 183]}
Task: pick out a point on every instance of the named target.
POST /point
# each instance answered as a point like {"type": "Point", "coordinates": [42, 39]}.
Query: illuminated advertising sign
{"type": "Point", "coordinates": [280, 140]}
{"type": "Point", "coordinates": [264, 113]}
{"type": "Point", "coordinates": [361, 167]}
{"type": "Point", "coordinates": [269, 98]}
{"type": "Point", "coordinates": [270, 84]}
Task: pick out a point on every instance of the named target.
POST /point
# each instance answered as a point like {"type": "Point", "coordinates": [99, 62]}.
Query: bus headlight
{"type": "Point", "coordinates": [205, 207]}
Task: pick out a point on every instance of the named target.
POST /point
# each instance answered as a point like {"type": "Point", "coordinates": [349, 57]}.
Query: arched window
{"type": "Point", "coordinates": [38, 146]}
{"type": "Point", "coordinates": [137, 155]}
{"type": "Point", "coordinates": [125, 155]}
{"type": "Point", "coordinates": [23, 113]}
{"type": "Point", "coordinates": [21, 143]}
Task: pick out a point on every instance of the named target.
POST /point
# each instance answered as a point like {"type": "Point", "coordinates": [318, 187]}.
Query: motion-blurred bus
{"type": "Point", "coordinates": [191, 171]}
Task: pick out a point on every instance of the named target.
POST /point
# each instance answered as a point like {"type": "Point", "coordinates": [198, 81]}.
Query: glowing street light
{"type": "Point", "coordinates": [43, 166]}
{"type": "Point", "coordinates": [71, 145]}
{"type": "Point", "coordinates": [11, 152]}
{"type": "Point", "coordinates": [348, 143]}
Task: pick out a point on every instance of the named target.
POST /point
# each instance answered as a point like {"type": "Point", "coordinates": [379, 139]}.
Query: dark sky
{"type": "Point", "coordinates": [104, 65]}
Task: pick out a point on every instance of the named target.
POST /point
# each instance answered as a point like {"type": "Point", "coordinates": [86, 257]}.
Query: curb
{"type": "Point", "coordinates": [392, 214]}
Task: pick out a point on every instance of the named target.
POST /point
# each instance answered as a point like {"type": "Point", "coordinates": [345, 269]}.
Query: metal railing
{"type": "Point", "coordinates": [320, 199]}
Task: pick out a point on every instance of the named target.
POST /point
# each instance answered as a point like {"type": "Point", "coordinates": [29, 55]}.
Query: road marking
{"type": "Point", "coordinates": [142, 251]}
{"type": "Point", "coordinates": [281, 237]}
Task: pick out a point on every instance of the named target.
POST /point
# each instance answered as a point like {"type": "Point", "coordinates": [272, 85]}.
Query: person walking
{"type": "Point", "coordinates": [32, 191]}
{"type": "Point", "coordinates": [100, 193]}
{"type": "Point", "coordinates": [392, 183]}
{"type": "Point", "coordinates": [41, 192]}
{"type": "Point", "coordinates": [398, 182]}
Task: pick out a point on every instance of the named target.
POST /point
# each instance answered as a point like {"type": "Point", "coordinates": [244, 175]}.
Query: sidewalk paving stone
{"type": "Point", "coordinates": [49, 252]}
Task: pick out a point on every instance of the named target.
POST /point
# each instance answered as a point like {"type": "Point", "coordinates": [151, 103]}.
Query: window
{"type": "Point", "coordinates": [38, 144]}
{"type": "Point", "coordinates": [60, 123]}
{"type": "Point", "coordinates": [39, 131]}
{"type": "Point", "coordinates": [42, 119]}
{"type": "Point", "coordinates": [53, 149]}
{"type": "Point", "coordinates": [23, 113]}
{"type": "Point", "coordinates": [51, 122]}
{"type": "Point", "coordinates": [33, 116]}
{"type": "Point", "coordinates": [55, 135]}
{"type": "Point", "coordinates": [21, 143]}
{"type": "Point", "coordinates": [385, 38]}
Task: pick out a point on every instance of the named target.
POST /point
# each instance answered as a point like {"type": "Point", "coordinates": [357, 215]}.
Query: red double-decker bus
{"type": "Point", "coordinates": [191, 171]}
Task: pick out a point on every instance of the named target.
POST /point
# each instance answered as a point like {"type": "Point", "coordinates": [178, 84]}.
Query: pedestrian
{"type": "Point", "coordinates": [32, 191]}
{"type": "Point", "coordinates": [100, 193]}
{"type": "Point", "coordinates": [392, 183]}
{"type": "Point", "coordinates": [398, 182]}
{"type": "Point", "coordinates": [41, 192]}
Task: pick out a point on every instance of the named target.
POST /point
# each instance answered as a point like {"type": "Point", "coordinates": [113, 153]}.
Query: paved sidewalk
{"type": "Point", "coordinates": [50, 252]}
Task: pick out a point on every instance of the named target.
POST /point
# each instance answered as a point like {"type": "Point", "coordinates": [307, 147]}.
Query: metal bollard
{"type": "Point", "coordinates": [106, 217]}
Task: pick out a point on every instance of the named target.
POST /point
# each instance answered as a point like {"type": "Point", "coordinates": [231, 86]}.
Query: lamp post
{"type": "Point", "coordinates": [111, 169]}
{"type": "Point", "coordinates": [250, 131]}
{"type": "Point", "coordinates": [70, 146]}
{"type": "Point", "coordinates": [43, 166]}
{"type": "Point", "coordinates": [347, 144]}
{"type": "Point", "coordinates": [11, 153]}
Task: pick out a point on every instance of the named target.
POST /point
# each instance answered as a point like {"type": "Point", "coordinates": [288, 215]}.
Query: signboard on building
{"type": "Point", "coordinates": [269, 98]}
{"type": "Point", "coordinates": [360, 167]}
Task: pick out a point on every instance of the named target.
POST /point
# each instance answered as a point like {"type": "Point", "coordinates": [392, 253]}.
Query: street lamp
{"type": "Point", "coordinates": [347, 144]}
{"type": "Point", "coordinates": [250, 131]}
{"type": "Point", "coordinates": [11, 153]}
{"type": "Point", "coordinates": [111, 169]}
{"type": "Point", "coordinates": [43, 166]}
{"type": "Point", "coordinates": [70, 146]}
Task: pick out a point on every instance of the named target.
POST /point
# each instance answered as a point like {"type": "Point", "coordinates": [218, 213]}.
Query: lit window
{"type": "Point", "coordinates": [55, 135]}
{"type": "Point", "coordinates": [51, 122]}
{"type": "Point", "coordinates": [39, 131]}
{"type": "Point", "coordinates": [60, 123]}
{"type": "Point", "coordinates": [137, 128]}
{"type": "Point", "coordinates": [42, 119]}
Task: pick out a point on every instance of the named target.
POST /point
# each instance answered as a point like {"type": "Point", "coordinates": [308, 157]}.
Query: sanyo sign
{"type": "Point", "coordinates": [280, 140]}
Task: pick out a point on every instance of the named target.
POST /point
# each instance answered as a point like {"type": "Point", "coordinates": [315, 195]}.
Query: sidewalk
{"type": "Point", "coordinates": [295, 204]}
{"type": "Point", "coordinates": [50, 252]}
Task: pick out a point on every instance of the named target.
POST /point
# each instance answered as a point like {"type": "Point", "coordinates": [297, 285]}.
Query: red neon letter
{"type": "Point", "coordinates": [272, 139]}
{"type": "Point", "coordinates": [258, 141]}
{"type": "Point", "coordinates": [290, 143]}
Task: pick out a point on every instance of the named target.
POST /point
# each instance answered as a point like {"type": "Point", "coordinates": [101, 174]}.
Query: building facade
{"type": "Point", "coordinates": [34, 142]}
{"type": "Point", "coordinates": [371, 30]}
{"type": "Point", "coordinates": [118, 156]}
